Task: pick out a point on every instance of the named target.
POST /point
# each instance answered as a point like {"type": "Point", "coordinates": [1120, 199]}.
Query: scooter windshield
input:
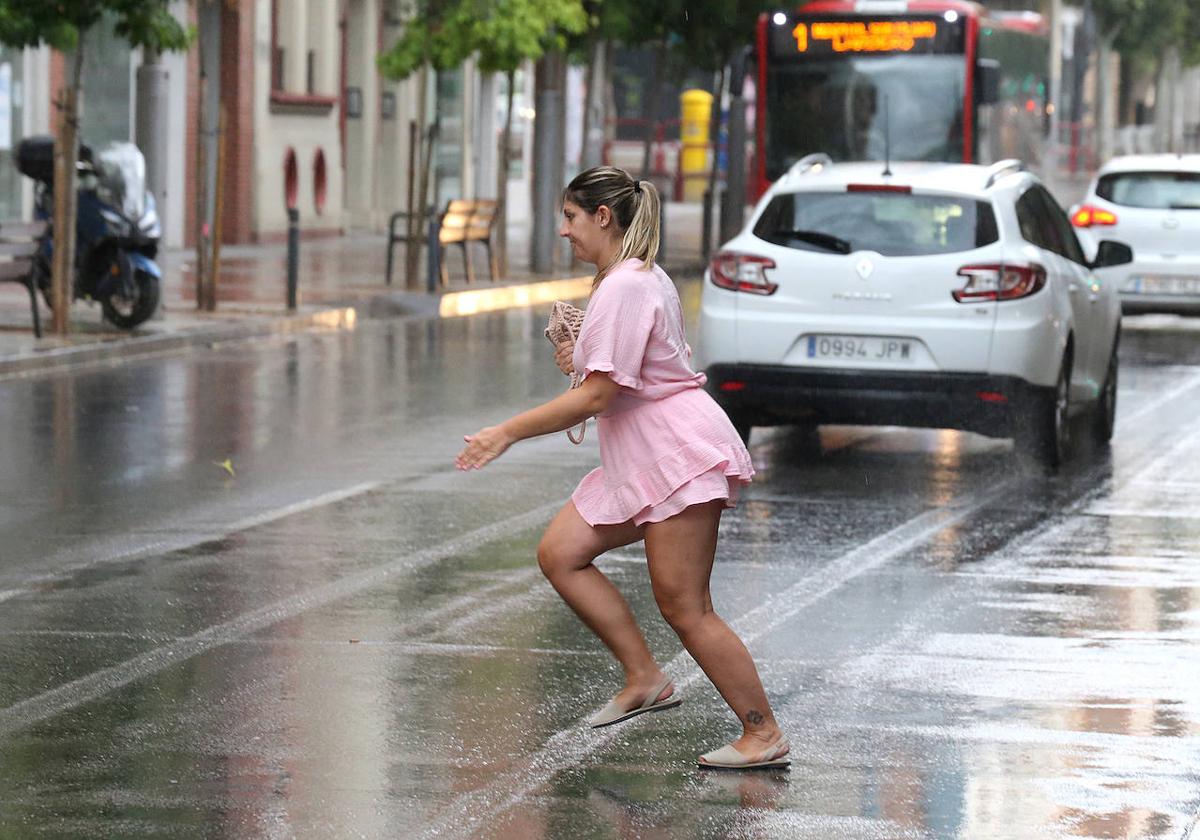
{"type": "Point", "coordinates": [121, 176]}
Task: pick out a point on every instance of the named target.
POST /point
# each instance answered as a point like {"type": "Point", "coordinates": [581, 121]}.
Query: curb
{"type": "Point", "coordinates": [342, 316]}
{"type": "Point", "coordinates": [47, 361]}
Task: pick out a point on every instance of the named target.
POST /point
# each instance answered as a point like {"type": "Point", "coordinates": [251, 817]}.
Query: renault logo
{"type": "Point", "coordinates": [864, 267]}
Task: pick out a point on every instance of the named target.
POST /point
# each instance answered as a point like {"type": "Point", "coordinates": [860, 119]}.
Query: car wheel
{"type": "Point", "coordinates": [1105, 414]}
{"type": "Point", "coordinates": [1048, 430]}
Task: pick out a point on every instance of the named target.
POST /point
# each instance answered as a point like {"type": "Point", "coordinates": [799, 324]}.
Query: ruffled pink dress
{"type": "Point", "coordinates": [664, 442]}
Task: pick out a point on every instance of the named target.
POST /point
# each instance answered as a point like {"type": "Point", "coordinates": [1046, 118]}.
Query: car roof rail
{"type": "Point", "coordinates": [810, 162]}
{"type": "Point", "coordinates": [1001, 168]}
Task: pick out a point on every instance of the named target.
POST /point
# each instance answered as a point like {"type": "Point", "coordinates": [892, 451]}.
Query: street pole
{"type": "Point", "coordinates": [150, 132]}
{"type": "Point", "coordinates": [214, 266]}
{"type": "Point", "coordinates": [733, 200]}
{"type": "Point", "coordinates": [1055, 93]}
{"type": "Point", "coordinates": [547, 160]}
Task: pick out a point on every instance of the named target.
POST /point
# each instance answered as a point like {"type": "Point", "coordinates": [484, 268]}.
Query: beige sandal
{"type": "Point", "coordinates": [612, 713]}
{"type": "Point", "coordinates": [729, 757]}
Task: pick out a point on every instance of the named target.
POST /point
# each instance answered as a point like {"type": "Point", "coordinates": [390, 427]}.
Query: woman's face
{"type": "Point", "coordinates": [592, 235]}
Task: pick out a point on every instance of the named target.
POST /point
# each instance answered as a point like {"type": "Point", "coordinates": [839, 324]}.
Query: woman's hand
{"type": "Point", "coordinates": [562, 357]}
{"type": "Point", "coordinates": [484, 446]}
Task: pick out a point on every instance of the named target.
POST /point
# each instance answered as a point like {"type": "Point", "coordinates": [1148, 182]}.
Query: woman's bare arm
{"type": "Point", "coordinates": [562, 412]}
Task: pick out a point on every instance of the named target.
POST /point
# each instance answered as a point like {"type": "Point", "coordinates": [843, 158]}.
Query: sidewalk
{"type": "Point", "coordinates": [340, 280]}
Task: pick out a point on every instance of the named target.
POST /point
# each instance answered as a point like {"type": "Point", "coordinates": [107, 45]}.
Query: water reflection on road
{"type": "Point", "coordinates": [345, 638]}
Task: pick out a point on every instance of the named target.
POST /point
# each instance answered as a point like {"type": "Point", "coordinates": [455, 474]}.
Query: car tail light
{"type": "Point", "coordinates": [999, 281]}
{"type": "Point", "coordinates": [742, 273]}
{"type": "Point", "coordinates": [1089, 215]}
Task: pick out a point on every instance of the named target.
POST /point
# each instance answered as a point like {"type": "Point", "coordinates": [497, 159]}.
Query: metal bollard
{"type": "Point", "coordinates": [293, 256]}
{"type": "Point", "coordinates": [435, 265]}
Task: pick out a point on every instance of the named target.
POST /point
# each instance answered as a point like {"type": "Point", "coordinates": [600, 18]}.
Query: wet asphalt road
{"type": "Point", "coordinates": [336, 635]}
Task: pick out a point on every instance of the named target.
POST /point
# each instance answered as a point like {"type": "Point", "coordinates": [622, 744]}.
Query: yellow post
{"type": "Point", "coordinates": [695, 107]}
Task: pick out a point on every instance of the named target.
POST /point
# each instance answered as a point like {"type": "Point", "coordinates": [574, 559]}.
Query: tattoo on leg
{"type": "Point", "coordinates": [754, 717]}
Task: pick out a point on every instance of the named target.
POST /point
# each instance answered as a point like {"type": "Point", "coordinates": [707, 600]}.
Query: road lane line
{"type": "Point", "coordinates": [1190, 382]}
{"type": "Point", "coordinates": [465, 610]}
{"type": "Point", "coordinates": [98, 683]}
{"type": "Point", "coordinates": [194, 536]}
{"type": "Point", "coordinates": [567, 747]}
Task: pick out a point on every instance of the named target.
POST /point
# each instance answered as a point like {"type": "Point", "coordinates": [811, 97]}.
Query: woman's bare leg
{"type": "Point", "coordinates": [565, 555]}
{"type": "Point", "coordinates": [680, 551]}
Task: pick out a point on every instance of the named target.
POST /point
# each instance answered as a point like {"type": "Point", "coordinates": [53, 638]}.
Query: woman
{"type": "Point", "coordinates": [670, 463]}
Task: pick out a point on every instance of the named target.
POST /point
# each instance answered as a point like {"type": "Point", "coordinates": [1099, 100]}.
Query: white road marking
{"type": "Point", "coordinates": [98, 683]}
{"type": "Point", "coordinates": [194, 536]}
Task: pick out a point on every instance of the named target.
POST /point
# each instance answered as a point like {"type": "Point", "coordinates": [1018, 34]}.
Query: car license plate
{"type": "Point", "coordinates": [1165, 284]}
{"type": "Point", "coordinates": [860, 348]}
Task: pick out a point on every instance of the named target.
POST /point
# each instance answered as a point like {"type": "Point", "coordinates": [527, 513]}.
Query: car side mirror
{"type": "Point", "coordinates": [987, 81]}
{"type": "Point", "coordinates": [1112, 253]}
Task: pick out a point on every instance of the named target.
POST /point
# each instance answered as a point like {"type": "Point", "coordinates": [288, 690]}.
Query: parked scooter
{"type": "Point", "coordinates": [117, 228]}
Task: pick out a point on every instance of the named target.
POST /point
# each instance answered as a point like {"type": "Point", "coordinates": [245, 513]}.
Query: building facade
{"type": "Point", "coordinates": [307, 119]}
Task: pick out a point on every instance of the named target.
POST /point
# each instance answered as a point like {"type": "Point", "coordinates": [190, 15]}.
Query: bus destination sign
{"type": "Point", "coordinates": [819, 37]}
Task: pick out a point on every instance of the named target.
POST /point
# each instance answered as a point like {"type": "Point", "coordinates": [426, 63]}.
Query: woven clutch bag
{"type": "Point", "coordinates": [563, 328]}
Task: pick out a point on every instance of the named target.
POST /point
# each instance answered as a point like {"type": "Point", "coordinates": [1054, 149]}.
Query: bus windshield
{"type": "Point", "coordinates": [836, 105]}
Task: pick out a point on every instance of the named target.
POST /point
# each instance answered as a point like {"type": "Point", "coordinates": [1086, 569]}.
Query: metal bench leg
{"type": "Point", "coordinates": [493, 269]}
{"type": "Point", "coordinates": [391, 248]}
{"type": "Point", "coordinates": [467, 262]}
{"type": "Point", "coordinates": [442, 270]}
{"type": "Point", "coordinates": [33, 305]}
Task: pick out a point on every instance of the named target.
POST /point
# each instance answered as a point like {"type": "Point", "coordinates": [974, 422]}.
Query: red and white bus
{"type": "Point", "coordinates": [938, 80]}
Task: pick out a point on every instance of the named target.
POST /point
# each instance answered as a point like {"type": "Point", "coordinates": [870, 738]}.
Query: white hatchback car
{"type": "Point", "coordinates": [1152, 203]}
{"type": "Point", "coordinates": [936, 294]}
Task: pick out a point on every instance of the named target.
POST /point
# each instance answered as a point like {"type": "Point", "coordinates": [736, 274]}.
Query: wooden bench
{"type": "Point", "coordinates": [19, 243]}
{"type": "Point", "coordinates": [462, 222]}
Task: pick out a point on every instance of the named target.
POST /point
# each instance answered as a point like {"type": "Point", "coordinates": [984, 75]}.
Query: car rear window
{"type": "Point", "coordinates": [1155, 190]}
{"type": "Point", "coordinates": [892, 223]}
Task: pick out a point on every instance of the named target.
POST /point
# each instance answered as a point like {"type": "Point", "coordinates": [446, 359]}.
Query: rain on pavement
{"type": "Point", "coordinates": [244, 593]}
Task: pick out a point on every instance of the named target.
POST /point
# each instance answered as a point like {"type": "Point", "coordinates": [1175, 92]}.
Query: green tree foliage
{"type": "Point", "coordinates": [502, 33]}
{"type": "Point", "coordinates": [143, 23]}
{"type": "Point", "coordinates": [710, 32]}
{"type": "Point", "coordinates": [1144, 29]}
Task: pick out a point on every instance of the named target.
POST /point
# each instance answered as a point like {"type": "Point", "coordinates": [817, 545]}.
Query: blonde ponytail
{"type": "Point", "coordinates": [641, 238]}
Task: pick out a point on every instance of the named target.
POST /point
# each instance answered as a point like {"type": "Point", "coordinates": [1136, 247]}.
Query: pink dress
{"type": "Point", "coordinates": [664, 442]}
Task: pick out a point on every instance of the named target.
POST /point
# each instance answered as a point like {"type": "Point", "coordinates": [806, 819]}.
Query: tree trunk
{"type": "Point", "coordinates": [66, 202]}
{"type": "Point", "coordinates": [218, 220]}
{"type": "Point", "coordinates": [201, 269]}
{"type": "Point", "coordinates": [547, 159]}
{"type": "Point", "coordinates": [1106, 125]}
{"type": "Point", "coordinates": [593, 109]}
{"type": "Point", "coordinates": [1168, 122]}
{"type": "Point", "coordinates": [714, 129]}
{"type": "Point", "coordinates": [502, 180]}
{"type": "Point", "coordinates": [426, 176]}
{"type": "Point", "coordinates": [650, 106]}
{"type": "Point", "coordinates": [416, 219]}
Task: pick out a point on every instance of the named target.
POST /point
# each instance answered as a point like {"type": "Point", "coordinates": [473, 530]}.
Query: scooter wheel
{"type": "Point", "coordinates": [128, 312]}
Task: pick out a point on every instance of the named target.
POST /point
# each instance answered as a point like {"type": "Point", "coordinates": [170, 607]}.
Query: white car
{"type": "Point", "coordinates": [1152, 203]}
{"type": "Point", "coordinates": [934, 294]}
